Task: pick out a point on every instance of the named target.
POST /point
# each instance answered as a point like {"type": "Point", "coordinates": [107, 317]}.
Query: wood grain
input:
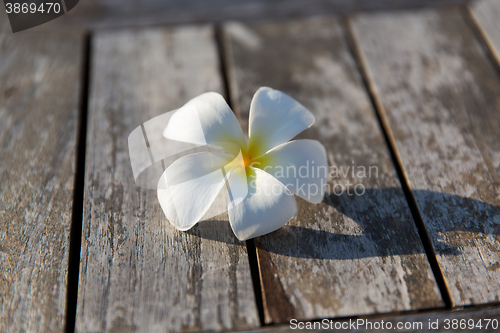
{"type": "Point", "coordinates": [351, 254]}
{"type": "Point", "coordinates": [137, 273]}
{"type": "Point", "coordinates": [441, 96]}
{"type": "Point", "coordinates": [4, 22]}
{"type": "Point", "coordinates": [485, 13]}
{"type": "Point", "coordinates": [39, 99]}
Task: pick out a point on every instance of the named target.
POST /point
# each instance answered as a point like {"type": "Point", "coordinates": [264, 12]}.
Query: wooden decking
{"type": "Point", "coordinates": [412, 93]}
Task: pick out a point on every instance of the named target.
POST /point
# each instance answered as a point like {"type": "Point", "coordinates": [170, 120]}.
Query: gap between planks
{"type": "Point", "coordinates": [264, 59]}
{"type": "Point", "coordinates": [77, 212]}
{"type": "Point", "coordinates": [445, 122]}
{"type": "Point", "coordinates": [371, 88]}
{"type": "Point", "coordinates": [226, 68]}
{"type": "Point", "coordinates": [481, 34]}
{"type": "Point", "coordinates": [146, 274]}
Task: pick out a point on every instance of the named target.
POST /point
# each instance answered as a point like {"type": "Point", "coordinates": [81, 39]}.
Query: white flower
{"type": "Point", "coordinates": [262, 176]}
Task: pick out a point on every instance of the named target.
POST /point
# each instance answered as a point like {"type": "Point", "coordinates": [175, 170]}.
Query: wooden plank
{"type": "Point", "coordinates": [441, 97]}
{"type": "Point", "coordinates": [39, 101]}
{"type": "Point", "coordinates": [137, 272]}
{"type": "Point", "coordinates": [351, 254]}
{"type": "Point", "coordinates": [4, 22]}
{"type": "Point", "coordinates": [482, 319]}
{"type": "Point", "coordinates": [485, 13]}
{"type": "Point", "coordinates": [108, 13]}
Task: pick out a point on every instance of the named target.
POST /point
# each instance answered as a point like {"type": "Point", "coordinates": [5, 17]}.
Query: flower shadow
{"type": "Point", "coordinates": [377, 223]}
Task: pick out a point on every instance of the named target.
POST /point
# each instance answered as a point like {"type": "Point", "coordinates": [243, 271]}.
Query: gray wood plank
{"type": "Point", "coordinates": [486, 14]}
{"type": "Point", "coordinates": [441, 97]}
{"type": "Point", "coordinates": [351, 254]}
{"type": "Point", "coordinates": [137, 272]}
{"type": "Point", "coordinates": [109, 13]}
{"type": "Point", "coordinates": [39, 100]}
{"type": "Point", "coordinates": [4, 22]}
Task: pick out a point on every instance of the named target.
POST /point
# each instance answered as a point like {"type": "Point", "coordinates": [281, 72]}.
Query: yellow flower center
{"type": "Point", "coordinates": [247, 160]}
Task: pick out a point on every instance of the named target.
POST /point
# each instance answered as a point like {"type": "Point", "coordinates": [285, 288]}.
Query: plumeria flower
{"type": "Point", "coordinates": [261, 176]}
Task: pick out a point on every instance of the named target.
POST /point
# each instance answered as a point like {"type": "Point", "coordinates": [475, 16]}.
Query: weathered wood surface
{"type": "Point", "coordinates": [137, 272]}
{"type": "Point", "coordinates": [39, 100]}
{"type": "Point", "coordinates": [441, 96]}
{"type": "Point", "coordinates": [110, 13]}
{"type": "Point", "coordinates": [351, 254]}
{"type": "Point", "coordinates": [486, 14]}
{"type": "Point", "coordinates": [417, 323]}
{"type": "Point", "coordinates": [4, 22]}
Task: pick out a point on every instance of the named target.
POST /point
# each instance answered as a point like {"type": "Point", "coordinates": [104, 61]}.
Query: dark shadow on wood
{"type": "Point", "coordinates": [216, 230]}
{"type": "Point", "coordinates": [456, 213]}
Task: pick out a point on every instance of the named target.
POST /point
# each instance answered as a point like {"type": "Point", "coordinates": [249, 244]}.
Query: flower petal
{"type": "Point", "coordinates": [206, 119]}
{"type": "Point", "coordinates": [189, 186]}
{"type": "Point", "coordinates": [237, 186]}
{"type": "Point", "coordinates": [275, 118]}
{"type": "Point", "coordinates": [301, 165]}
{"type": "Point", "coordinates": [268, 206]}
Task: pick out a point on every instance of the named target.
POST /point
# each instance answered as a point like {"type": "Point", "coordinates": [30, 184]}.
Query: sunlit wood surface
{"type": "Point", "coordinates": [410, 90]}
